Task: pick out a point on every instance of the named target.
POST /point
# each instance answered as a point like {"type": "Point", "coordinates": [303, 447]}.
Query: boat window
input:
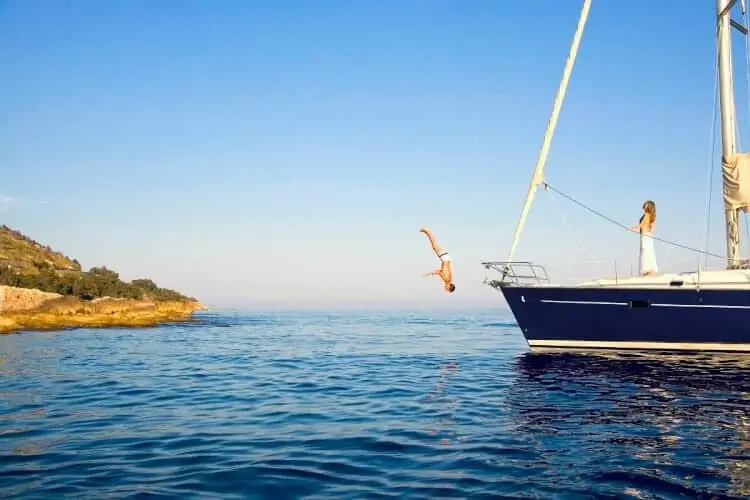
{"type": "Point", "coordinates": [639, 303]}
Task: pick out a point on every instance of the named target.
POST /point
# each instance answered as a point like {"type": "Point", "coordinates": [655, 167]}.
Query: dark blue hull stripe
{"type": "Point", "coordinates": [619, 318]}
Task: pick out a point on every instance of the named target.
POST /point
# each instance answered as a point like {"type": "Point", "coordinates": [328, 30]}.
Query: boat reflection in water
{"type": "Point", "coordinates": [671, 423]}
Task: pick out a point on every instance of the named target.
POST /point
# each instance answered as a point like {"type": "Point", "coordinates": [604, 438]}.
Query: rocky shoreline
{"type": "Point", "coordinates": [31, 309]}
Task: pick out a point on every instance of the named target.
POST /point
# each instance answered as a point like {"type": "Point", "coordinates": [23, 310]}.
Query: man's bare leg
{"type": "Point", "coordinates": [433, 243]}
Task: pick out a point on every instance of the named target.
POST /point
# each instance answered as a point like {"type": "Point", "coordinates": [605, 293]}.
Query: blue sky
{"type": "Point", "coordinates": [285, 153]}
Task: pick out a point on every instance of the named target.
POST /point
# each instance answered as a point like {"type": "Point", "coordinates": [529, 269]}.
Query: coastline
{"type": "Point", "coordinates": [32, 309]}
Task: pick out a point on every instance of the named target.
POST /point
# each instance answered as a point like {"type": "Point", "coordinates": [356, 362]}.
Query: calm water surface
{"type": "Point", "coordinates": [362, 405]}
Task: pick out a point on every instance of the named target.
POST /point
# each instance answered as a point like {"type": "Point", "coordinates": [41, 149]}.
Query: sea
{"type": "Point", "coordinates": [362, 404]}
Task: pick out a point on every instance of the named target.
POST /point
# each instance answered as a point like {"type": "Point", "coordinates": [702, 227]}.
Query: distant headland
{"type": "Point", "coordinates": [42, 289]}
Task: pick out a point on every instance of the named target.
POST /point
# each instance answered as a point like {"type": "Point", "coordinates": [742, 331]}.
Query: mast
{"type": "Point", "coordinates": [727, 111]}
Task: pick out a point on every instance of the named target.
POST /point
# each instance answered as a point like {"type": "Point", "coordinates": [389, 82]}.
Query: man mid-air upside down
{"type": "Point", "coordinates": [444, 272]}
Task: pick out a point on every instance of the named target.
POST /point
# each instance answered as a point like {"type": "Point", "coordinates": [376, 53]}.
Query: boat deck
{"type": "Point", "coordinates": [529, 274]}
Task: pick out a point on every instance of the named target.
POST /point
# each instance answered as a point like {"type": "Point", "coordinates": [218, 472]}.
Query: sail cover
{"type": "Point", "coordinates": [736, 180]}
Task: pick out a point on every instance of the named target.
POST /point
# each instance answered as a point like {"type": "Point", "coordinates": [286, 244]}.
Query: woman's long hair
{"type": "Point", "coordinates": [650, 208]}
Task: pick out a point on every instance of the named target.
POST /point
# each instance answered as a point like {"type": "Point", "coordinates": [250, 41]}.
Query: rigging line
{"type": "Point", "coordinates": [712, 160]}
{"type": "Point", "coordinates": [595, 212]}
{"type": "Point", "coordinates": [570, 229]}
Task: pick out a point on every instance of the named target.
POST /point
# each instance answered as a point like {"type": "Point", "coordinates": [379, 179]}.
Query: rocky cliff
{"type": "Point", "coordinates": [43, 289]}
{"type": "Point", "coordinates": [29, 309]}
{"type": "Point", "coordinates": [13, 299]}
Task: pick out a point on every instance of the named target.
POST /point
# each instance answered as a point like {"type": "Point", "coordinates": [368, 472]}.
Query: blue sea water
{"type": "Point", "coordinates": [362, 405]}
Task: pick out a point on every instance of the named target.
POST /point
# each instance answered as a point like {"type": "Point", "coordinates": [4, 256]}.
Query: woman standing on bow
{"type": "Point", "coordinates": [647, 260]}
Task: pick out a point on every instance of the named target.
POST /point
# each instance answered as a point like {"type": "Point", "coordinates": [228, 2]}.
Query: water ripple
{"type": "Point", "coordinates": [354, 405]}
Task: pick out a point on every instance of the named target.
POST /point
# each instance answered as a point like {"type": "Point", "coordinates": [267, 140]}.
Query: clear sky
{"type": "Point", "coordinates": [285, 153]}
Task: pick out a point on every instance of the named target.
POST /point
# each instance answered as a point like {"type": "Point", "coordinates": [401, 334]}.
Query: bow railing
{"type": "Point", "coordinates": [516, 273]}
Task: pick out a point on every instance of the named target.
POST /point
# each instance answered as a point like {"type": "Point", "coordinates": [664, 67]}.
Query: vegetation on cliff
{"type": "Point", "coordinates": [25, 263]}
{"type": "Point", "coordinates": [25, 255]}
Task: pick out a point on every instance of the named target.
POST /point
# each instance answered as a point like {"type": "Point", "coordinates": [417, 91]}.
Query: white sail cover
{"type": "Point", "coordinates": [736, 180]}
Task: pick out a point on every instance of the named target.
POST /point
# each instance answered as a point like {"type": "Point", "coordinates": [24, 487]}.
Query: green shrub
{"type": "Point", "coordinates": [97, 282]}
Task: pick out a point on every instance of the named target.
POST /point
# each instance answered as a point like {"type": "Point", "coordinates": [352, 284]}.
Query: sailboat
{"type": "Point", "coordinates": [701, 310]}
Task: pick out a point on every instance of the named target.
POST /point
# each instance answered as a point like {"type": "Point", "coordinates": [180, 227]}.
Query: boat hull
{"type": "Point", "coordinates": [552, 317]}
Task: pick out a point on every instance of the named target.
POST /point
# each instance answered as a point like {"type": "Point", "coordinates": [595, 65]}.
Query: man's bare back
{"type": "Point", "coordinates": [445, 273]}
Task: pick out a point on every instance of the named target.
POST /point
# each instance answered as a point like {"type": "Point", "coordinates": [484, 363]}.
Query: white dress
{"type": "Point", "coordinates": [647, 261]}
